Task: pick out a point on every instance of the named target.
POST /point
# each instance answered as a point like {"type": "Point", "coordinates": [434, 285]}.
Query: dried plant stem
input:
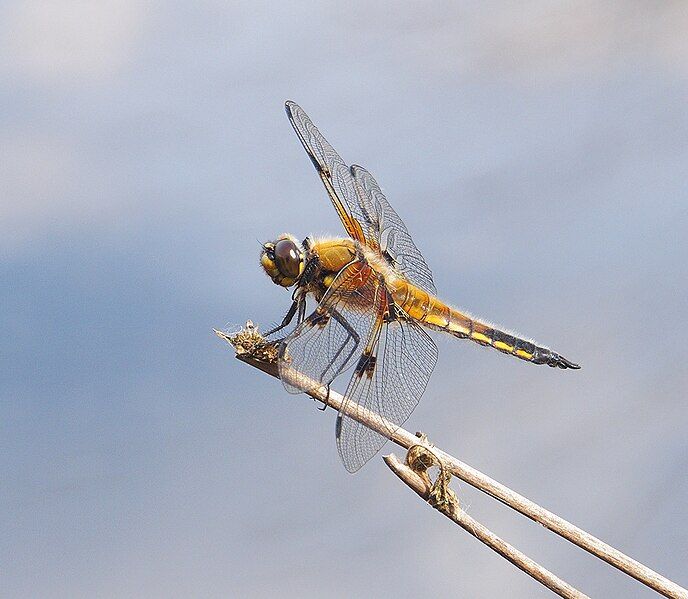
{"type": "Point", "coordinates": [454, 512]}
{"type": "Point", "coordinates": [563, 528]}
{"type": "Point", "coordinates": [488, 485]}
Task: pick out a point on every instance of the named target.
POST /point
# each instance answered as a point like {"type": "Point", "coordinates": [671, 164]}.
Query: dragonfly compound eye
{"type": "Point", "coordinates": [288, 258]}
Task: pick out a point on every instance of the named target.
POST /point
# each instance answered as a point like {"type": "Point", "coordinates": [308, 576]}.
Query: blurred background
{"type": "Point", "coordinates": [537, 154]}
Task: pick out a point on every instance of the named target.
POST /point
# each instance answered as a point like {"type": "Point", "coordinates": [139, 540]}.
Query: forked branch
{"type": "Point", "coordinates": [251, 348]}
{"type": "Point", "coordinates": [451, 508]}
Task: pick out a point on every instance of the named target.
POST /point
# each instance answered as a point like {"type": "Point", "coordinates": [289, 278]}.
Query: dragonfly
{"type": "Point", "coordinates": [376, 301]}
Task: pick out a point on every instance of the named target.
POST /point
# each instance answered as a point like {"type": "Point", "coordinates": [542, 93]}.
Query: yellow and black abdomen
{"type": "Point", "coordinates": [435, 314]}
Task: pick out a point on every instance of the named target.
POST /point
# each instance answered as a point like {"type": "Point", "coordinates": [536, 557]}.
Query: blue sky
{"type": "Point", "coordinates": [538, 156]}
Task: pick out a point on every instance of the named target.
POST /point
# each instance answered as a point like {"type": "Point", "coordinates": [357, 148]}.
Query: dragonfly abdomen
{"type": "Point", "coordinates": [435, 314]}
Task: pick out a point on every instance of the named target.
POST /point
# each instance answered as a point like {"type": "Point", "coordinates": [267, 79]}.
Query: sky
{"type": "Point", "coordinates": [538, 156]}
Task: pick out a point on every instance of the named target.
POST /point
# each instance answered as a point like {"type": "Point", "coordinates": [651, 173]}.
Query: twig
{"type": "Point", "coordinates": [248, 340]}
{"type": "Point", "coordinates": [563, 528]}
{"type": "Point", "coordinates": [454, 512]}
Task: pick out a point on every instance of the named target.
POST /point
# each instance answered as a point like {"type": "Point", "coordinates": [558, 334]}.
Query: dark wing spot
{"type": "Point", "coordinates": [366, 365]}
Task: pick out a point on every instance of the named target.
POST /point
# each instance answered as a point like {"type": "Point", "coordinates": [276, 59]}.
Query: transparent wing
{"type": "Point", "coordinates": [363, 209]}
{"type": "Point", "coordinates": [328, 341]}
{"type": "Point", "coordinates": [389, 380]}
{"type": "Point", "coordinates": [393, 238]}
{"type": "Point", "coordinates": [333, 171]}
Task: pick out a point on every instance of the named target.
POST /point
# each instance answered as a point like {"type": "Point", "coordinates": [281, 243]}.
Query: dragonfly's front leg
{"type": "Point", "coordinates": [302, 311]}
{"type": "Point", "coordinates": [299, 304]}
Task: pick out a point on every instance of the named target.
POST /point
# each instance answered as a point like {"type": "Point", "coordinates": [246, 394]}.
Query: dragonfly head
{"type": "Point", "coordinates": [283, 260]}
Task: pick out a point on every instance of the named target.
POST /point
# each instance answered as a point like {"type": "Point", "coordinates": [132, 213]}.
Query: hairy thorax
{"type": "Point", "coordinates": [333, 254]}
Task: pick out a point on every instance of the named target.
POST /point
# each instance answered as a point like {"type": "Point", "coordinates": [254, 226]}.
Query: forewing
{"type": "Point", "coordinates": [391, 232]}
{"type": "Point", "coordinates": [334, 173]}
{"type": "Point", "coordinates": [328, 341]}
{"type": "Point", "coordinates": [404, 357]}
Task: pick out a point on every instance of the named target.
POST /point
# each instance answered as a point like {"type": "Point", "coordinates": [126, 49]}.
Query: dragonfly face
{"type": "Point", "coordinates": [376, 299]}
{"type": "Point", "coordinates": [283, 260]}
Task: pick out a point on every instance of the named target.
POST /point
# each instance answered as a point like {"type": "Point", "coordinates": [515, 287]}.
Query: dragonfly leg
{"type": "Point", "coordinates": [352, 334]}
{"type": "Point", "coordinates": [302, 310]}
{"type": "Point", "coordinates": [326, 399]}
{"type": "Point", "coordinates": [288, 317]}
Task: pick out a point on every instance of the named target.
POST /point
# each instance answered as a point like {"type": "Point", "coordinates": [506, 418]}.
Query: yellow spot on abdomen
{"type": "Point", "coordinates": [455, 327]}
{"type": "Point", "coordinates": [436, 320]}
{"type": "Point", "coordinates": [521, 353]}
{"type": "Point", "coordinates": [480, 337]}
{"type": "Point", "coordinates": [503, 346]}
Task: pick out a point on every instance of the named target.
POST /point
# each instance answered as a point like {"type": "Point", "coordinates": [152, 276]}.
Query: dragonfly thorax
{"type": "Point", "coordinates": [283, 260]}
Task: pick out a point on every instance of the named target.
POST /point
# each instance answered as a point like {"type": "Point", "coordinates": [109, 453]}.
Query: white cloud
{"type": "Point", "coordinates": [52, 40]}
{"type": "Point", "coordinates": [538, 38]}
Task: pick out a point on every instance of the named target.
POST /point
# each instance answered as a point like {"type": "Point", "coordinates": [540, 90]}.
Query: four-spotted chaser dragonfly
{"type": "Point", "coordinates": [375, 297]}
